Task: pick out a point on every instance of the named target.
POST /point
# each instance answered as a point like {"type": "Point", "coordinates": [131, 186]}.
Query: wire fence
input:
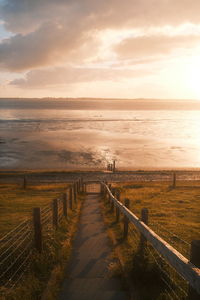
{"type": "Point", "coordinates": [18, 246]}
{"type": "Point", "coordinates": [15, 251]}
{"type": "Point", "coordinates": [176, 286]}
{"type": "Point", "coordinates": [172, 238]}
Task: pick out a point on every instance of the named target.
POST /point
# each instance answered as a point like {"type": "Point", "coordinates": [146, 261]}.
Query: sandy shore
{"type": "Point", "coordinates": [72, 136]}
{"type": "Point", "coordinates": [91, 149]}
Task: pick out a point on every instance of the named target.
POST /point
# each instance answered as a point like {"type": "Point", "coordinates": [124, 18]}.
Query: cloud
{"type": "Point", "coordinates": [65, 76]}
{"type": "Point", "coordinates": [24, 15]}
{"type": "Point", "coordinates": [49, 44]}
{"type": "Point", "coordinates": [143, 46]}
{"type": "Point", "coordinates": [49, 31]}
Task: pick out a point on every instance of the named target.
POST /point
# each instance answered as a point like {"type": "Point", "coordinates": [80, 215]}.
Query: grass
{"type": "Point", "coordinates": [44, 277]}
{"type": "Point", "coordinates": [16, 204]}
{"type": "Point", "coordinates": [139, 273]}
{"type": "Point", "coordinates": [176, 210]}
{"type": "Point", "coordinates": [47, 270]}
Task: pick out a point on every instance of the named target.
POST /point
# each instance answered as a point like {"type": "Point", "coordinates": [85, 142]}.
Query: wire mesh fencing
{"type": "Point", "coordinates": [172, 238]}
{"type": "Point", "coordinates": [15, 251]}
{"type": "Point", "coordinates": [18, 246]}
{"type": "Point", "coordinates": [175, 287]}
{"type": "Point", "coordinates": [158, 243]}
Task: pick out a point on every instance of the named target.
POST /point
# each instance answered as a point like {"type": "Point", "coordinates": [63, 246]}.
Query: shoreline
{"type": "Point", "coordinates": [58, 176]}
{"type": "Point", "coordinates": [99, 170]}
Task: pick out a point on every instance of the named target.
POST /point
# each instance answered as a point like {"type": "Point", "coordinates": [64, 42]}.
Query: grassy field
{"type": "Point", "coordinates": [176, 210]}
{"type": "Point", "coordinates": [174, 215]}
{"type": "Point", "coordinates": [16, 203]}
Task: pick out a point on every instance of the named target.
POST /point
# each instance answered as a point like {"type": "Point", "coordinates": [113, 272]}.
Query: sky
{"type": "Point", "coordinates": [107, 48]}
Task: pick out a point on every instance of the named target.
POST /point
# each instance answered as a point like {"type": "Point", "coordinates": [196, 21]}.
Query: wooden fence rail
{"type": "Point", "coordinates": [16, 247]}
{"type": "Point", "coordinates": [69, 198]}
{"type": "Point", "coordinates": [182, 265]}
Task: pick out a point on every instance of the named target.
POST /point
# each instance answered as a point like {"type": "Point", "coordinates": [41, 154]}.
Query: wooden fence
{"type": "Point", "coordinates": [188, 269]}
{"type": "Point", "coordinates": [18, 245]}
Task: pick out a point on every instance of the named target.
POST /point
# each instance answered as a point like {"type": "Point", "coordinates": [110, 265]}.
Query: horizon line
{"type": "Point", "coordinates": [102, 98]}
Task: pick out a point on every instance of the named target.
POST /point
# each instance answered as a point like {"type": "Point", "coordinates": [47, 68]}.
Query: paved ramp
{"type": "Point", "coordinates": [88, 274]}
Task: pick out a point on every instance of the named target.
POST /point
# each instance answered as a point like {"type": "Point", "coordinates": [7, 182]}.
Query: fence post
{"type": "Point", "coordinates": [24, 183]}
{"type": "Point", "coordinates": [195, 260]}
{"type": "Point", "coordinates": [101, 188]}
{"type": "Point", "coordinates": [37, 226]}
{"type": "Point", "coordinates": [74, 190]}
{"type": "Point", "coordinates": [81, 184]}
{"type": "Point", "coordinates": [71, 198]}
{"type": "Point", "coordinates": [55, 213]}
{"type": "Point", "coordinates": [112, 202]}
{"type": "Point", "coordinates": [110, 188]}
{"type": "Point", "coordinates": [78, 186]}
{"type": "Point", "coordinates": [113, 165]}
{"type": "Point", "coordinates": [174, 181]}
{"type": "Point", "coordinates": [65, 204]}
{"type": "Point", "coordinates": [105, 190]}
{"type": "Point", "coordinates": [127, 204]}
{"type": "Point", "coordinates": [144, 219]}
{"type": "Point", "coordinates": [117, 208]}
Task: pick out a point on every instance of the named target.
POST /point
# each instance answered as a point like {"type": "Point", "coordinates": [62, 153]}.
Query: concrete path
{"type": "Point", "coordinates": [88, 273]}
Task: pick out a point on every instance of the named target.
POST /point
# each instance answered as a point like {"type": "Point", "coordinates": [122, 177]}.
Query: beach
{"type": "Point", "coordinates": [36, 135]}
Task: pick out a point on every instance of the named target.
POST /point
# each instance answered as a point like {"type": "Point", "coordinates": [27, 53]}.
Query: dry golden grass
{"type": "Point", "coordinates": [16, 204]}
{"type": "Point", "coordinates": [44, 279]}
{"type": "Point", "coordinates": [177, 210]}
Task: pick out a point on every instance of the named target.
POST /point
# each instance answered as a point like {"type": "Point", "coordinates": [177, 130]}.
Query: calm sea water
{"type": "Point", "coordinates": [85, 134]}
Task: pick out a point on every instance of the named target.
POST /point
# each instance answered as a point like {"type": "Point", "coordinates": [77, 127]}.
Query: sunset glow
{"type": "Point", "coordinates": [99, 49]}
{"type": "Point", "coordinates": [193, 76]}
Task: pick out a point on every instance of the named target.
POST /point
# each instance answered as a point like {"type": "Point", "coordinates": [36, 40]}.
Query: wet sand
{"type": "Point", "coordinates": [88, 134]}
{"type": "Point", "coordinates": [89, 149]}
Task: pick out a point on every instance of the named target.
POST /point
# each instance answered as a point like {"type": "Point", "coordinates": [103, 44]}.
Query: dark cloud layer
{"type": "Point", "coordinates": [47, 31]}
{"type": "Point", "coordinates": [24, 14]}
{"type": "Point", "coordinates": [47, 44]}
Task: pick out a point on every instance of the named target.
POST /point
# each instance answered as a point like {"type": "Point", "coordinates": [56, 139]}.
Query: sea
{"type": "Point", "coordinates": [86, 134]}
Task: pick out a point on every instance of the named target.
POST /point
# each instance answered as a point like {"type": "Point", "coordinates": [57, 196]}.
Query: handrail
{"type": "Point", "coordinates": [182, 265]}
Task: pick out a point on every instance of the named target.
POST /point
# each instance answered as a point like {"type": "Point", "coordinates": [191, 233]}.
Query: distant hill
{"type": "Point", "coordinates": [99, 104]}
